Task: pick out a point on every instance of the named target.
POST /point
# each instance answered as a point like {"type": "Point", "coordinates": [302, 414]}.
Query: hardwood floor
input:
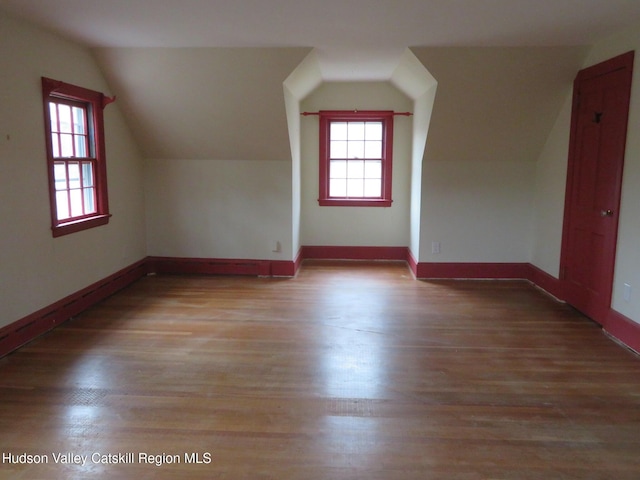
{"type": "Point", "coordinates": [348, 371]}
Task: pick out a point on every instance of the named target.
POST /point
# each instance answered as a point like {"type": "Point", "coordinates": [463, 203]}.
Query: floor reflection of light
{"type": "Point", "coordinates": [351, 441]}
{"type": "Point", "coordinates": [352, 360]}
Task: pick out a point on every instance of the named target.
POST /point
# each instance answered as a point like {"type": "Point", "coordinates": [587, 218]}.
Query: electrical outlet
{"type": "Point", "coordinates": [435, 248]}
{"type": "Point", "coordinates": [626, 293]}
{"type": "Point", "coordinates": [278, 247]}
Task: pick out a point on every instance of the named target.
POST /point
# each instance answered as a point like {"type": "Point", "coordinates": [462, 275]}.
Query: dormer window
{"type": "Point", "coordinates": [356, 158]}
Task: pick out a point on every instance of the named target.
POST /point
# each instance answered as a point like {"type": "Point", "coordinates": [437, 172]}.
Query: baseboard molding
{"type": "Point", "coordinates": [331, 252]}
{"type": "Point", "coordinates": [623, 329]}
{"type": "Point", "coordinates": [546, 282]}
{"type": "Point", "coordinates": [22, 331]}
{"type": "Point", "coordinates": [492, 271]}
{"type": "Point", "coordinates": [28, 328]}
{"type": "Point", "coordinates": [221, 266]}
{"type": "Point", "coordinates": [473, 270]}
{"type": "Point", "coordinates": [209, 266]}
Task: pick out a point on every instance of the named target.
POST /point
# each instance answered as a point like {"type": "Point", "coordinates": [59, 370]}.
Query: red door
{"type": "Point", "coordinates": [596, 155]}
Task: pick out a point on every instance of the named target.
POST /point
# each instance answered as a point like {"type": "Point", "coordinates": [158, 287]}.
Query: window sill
{"type": "Point", "coordinates": [79, 225]}
{"type": "Point", "coordinates": [345, 202]}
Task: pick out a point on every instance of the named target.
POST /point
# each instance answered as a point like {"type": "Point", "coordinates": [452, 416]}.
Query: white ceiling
{"type": "Point", "coordinates": [353, 38]}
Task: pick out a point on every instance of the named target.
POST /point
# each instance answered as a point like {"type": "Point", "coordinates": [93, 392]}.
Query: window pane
{"type": "Point", "coordinates": [355, 169]}
{"type": "Point", "coordinates": [373, 149]}
{"type": "Point", "coordinates": [55, 144]}
{"type": "Point", "coordinates": [66, 144]}
{"type": "Point", "coordinates": [372, 188]}
{"type": "Point", "coordinates": [65, 118]}
{"type": "Point", "coordinates": [338, 131]}
{"type": "Point", "coordinates": [356, 130]}
{"type": "Point", "coordinates": [74, 175]}
{"type": "Point", "coordinates": [373, 169]}
{"type": "Point", "coordinates": [87, 174]}
{"type": "Point", "coordinates": [62, 205]}
{"type": "Point", "coordinates": [338, 149]}
{"type": "Point", "coordinates": [355, 187]}
{"type": "Point", "coordinates": [53, 115]}
{"type": "Point", "coordinates": [81, 145]}
{"type": "Point", "coordinates": [373, 131]}
{"type": "Point", "coordinates": [79, 125]}
{"type": "Point", "coordinates": [356, 150]}
{"type": "Point", "coordinates": [89, 200]}
{"type": "Point", "coordinates": [76, 202]}
{"type": "Point", "coordinates": [338, 169]}
{"type": "Point", "coordinates": [60, 176]}
{"type": "Point", "coordinates": [337, 187]}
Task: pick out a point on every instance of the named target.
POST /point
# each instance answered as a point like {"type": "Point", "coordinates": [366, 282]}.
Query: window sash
{"type": "Point", "coordinates": [355, 158]}
{"type": "Point", "coordinates": [74, 132]}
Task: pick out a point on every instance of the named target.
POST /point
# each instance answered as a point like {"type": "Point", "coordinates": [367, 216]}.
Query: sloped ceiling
{"type": "Point", "coordinates": [496, 104]}
{"type": "Point", "coordinates": [204, 103]}
{"type": "Point", "coordinates": [203, 78]}
{"type": "Point", "coordinates": [353, 29]}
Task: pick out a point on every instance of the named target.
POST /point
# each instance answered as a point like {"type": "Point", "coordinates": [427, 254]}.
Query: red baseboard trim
{"type": "Point", "coordinates": [283, 268]}
{"type": "Point", "coordinates": [473, 270]}
{"type": "Point", "coordinates": [623, 329]}
{"type": "Point", "coordinates": [221, 266]}
{"type": "Point", "coordinates": [22, 331]}
{"type": "Point", "coordinates": [546, 282]}
{"type": "Point", "coordinates": [209, 266]}
{"type": "Point", "coordinates": [331, 252]}
{"type": "Point", "coordinates": [413, 263]}
{"type": "Point", "coordinates": [28, 328]}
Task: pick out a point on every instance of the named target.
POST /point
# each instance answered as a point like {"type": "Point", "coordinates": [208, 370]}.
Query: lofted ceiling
{"type": "Point", "coordinates": [355, 39]}
{"type": "Point", "coordinates": [203, 79]}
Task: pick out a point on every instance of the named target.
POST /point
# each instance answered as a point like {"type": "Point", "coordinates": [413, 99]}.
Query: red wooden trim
{"type": "Point", "coordinates": [356, 114]}
{"type": "Point", "coordinates": [326, 117]}
{"type": "Point", "coordinates": [354, 253]}
{"type": "Point", "coordinates": [623, 329]}
{"type": "Point", "coordinates": [547, 282]}
{"type": "Point", "coordinates": [55, 90]}
{"type": "Point", "coordinates": [474, 270]}
{"type": "Point", "coordinates": [283, 269]}
{"type": "Point", "coordinates": [624, 61]}
{"type": "Point", "coordinates": [345, 202]}
{"type": "Point", "coordinates": [412, 262]}
{"type": "Point", "coordinates": [306, 114]}
{"type": "Point", "coordinates": [79, 225]}
{"type": "Point", "coordinates": [22, 331]}
{"type": "Point", "coordinates": [19, 333]}
{"type": "Point", "coordinates": [209, 266]}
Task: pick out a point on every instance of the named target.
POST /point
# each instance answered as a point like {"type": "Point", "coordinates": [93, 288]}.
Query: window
{"type": "Point", "coordinates": [355, 158]}
{"type": "Point", "coordinates": [76, 160]}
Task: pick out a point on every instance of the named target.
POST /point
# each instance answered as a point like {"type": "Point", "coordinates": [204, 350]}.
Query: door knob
{"type": "Point", "coordinates": [606, 213]}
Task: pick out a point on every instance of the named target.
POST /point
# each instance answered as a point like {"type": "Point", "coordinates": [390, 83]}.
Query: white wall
{"type": "Point", "coordinates": [493, 111]}
{"type": "Point", "coordinates": [412, 78]}
{"type": "Point", "coordinates": [35, 268]}
{"type": "Point", "coordinates": [306, 77]}
{"type": "Point", "coordinates": [219, 208]}
{"type": "Point", "coordinates": [550, 184]}
{"type": "Point", "coordinates": [356, 226]}
{"type": "Point", "coordinates": [477, 211]}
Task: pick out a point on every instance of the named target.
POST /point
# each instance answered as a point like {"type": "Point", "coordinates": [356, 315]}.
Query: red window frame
{"type": "Point", "coordinates": [93, 156]}
{"type": "Point", "coordinates": [326, 119]}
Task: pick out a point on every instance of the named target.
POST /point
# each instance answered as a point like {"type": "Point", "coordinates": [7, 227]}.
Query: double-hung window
{"type": "Point", "coordinates": [356, 158]}
{"type": "Point", "coordinates": [75, 156]}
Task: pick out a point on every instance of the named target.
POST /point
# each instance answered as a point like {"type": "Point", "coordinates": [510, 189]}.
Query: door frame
{"type": "Point", "coordinates": [620, 62]}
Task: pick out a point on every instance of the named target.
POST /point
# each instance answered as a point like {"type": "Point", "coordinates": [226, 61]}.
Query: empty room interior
{"type": "Point", "coordinates": [321, 240]}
